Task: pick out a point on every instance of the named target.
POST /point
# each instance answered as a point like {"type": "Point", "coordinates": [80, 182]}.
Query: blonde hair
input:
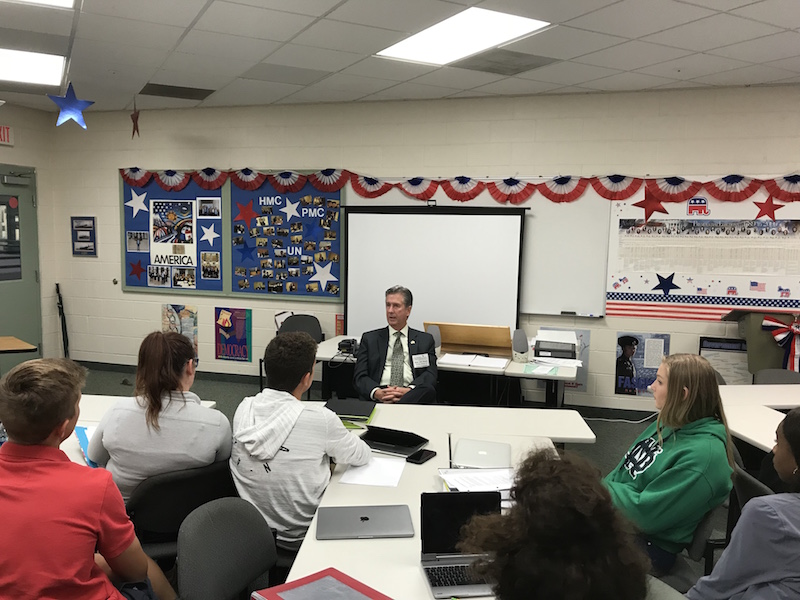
{"type": "Point", "coordinates": [693, 376]}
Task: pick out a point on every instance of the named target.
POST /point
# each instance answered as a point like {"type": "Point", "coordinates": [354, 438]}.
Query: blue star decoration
{"type": "Point", "coordinates": [71, 108]}
{"type": "Point", "coordinates": [665, 284]}
{"type": "Point", "coordinates": [246, 253]}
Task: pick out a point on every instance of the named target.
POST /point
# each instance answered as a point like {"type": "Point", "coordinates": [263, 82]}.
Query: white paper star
{"type": "Point", "coordinates": [137, 202]}
{"type": "Point", "coordinates": [323, 274]}
{"type": "Point", "coordinates": [290, 210]}
{"type": "Point", "coordinates": [209, 235]}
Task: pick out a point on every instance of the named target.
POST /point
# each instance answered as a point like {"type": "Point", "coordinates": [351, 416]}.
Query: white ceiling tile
{"type": "Point", "coordinates": [570, 89]}
{"type": "Point", "coordinates": [564, 43]}
{"type": "Point", "coordinates": [751, 75]}
{"type": "Point", "coordinates": [412, 91]}
{"type": "Point", "coordinates": [461, 79]}
{"type": "Point", "coordinates": [472, 94]}
{"type": "Point", "coordinates": [365, 85]}
{"type": "Point", "coordinates": [516, 86]}
{"type": "Point", "coordinates": [312, 94]}
{"type": "Point", "coordinates": [410, 16]}
{"type": "Point", "coordinates": [791, 64]}
{"type": "Point", "coordinates": [284, 74]}
{"type": "Point", "coordinates": [783, 13]}
{"type": "Point", "coordinates": [37, 101]}
{"type": "Point", "coordinates": [28, 17]}
{"type": "Point", "coordinates": [89, 50]}
{"type": "Point", "coordinates": [175, 12]}
{"type": "Point", "coordinates": [396, 70]}
{"type": "Point", "coordinates": [348, 37]}
{"type": "Point", "coordinates": [552, 11]}
{"type": "Point", "coordinates": [719, 30]}
{"type": "Point", "coordinates": [568, 73]}
{"type": "Point", "coordinates": [632, 55]}
{"type": "Point", "coordinates": [208, 80]}
{"type": "Point", "coordinates": [159, 103]}
{"type": "Point", "coordinates": [721, 5]}
{"type": "Point", "coordinates": [626, 81]}
{"type": "Point", "coordinates": [210, 43]}
{"type": "Point", "coordinates": [32, 41]}
{"type": "Point", "coordinates": [249, 21]}
{"type": "Point", "coordinates": [181, 61]}
{"type": "Point", "coordinates": [694, 65]}
{"type": "Point", "coordinates": [766, 49]}
{"type": "Point", "coordinates": [102, 92]}
{"type": "Point", "coordinates": [244, 92]}
{"type": "Point", "coordinates": [680, 85]}
{"type": "Point", "coordinates": [126, 31]}
{"type": "Point", "coordinates": [125, 77]}
{"type": "Point", "coordinates": [314, 8]}
{"type": "Point", "coordinates": [307, 57]}
{"type": "Point", "coordinates": [635, 18]}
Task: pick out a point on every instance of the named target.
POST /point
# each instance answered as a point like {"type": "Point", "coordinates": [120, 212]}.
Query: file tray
{"type": "Point", "coordinates": [393, 441]}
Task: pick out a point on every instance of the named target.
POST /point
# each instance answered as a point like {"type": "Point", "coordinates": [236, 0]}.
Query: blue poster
{"type": "Point", "coordinates": [172, 239]}
{"type": "Point", "coordinates": [285, 243]}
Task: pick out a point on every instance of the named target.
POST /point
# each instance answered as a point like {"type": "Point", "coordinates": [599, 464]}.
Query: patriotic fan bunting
{"type": "Point", "coordinates": [418, 187]}
{"type": "Point", "coordinates": [329, 180]}
{"type": "Point", "coordinates": [788, 338]}
{"type": "Point", "coordinates": [369, 187]}
{"type": "Point", "coordinates": [563, 189]}
{"type": "Point", "coordinates": [511, 190]}
{"type": "Point", "coordinates": [786, 188]}
{"type": "Point", "coordinates": [209, 179]}
{"type": "Point", "coordinates": [673, 189]}
{"type": "Point", "coordinates": [135, 177]}
{"type": "Point", "coordinates": [462, 188]}
{"type": "Point", "coordinates": [172, 181]}
{"type": "Point", "coordinates": [287, 181]}
{"type": "Point", "coordinates": [616, 187]}
{"type": "Point", "coordinates": [733, 188]}
{"type": "Point", "coordinates": [247, 179]}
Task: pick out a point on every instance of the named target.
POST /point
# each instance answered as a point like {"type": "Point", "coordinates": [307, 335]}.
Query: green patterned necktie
{"type": "Point", "coordinates": [396, 374]}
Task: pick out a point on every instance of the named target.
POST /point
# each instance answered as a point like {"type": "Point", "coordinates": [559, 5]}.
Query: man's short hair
{"type": "Point", "coordinates": [408, 299]}
{"type": "Point", "coordinates": [37, 396]}
{"type": "Point", "coordinates": [288, 357]}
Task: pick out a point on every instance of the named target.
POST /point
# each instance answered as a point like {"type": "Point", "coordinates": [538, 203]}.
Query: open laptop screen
{"type": "Point", "coordinates": [445, 513]}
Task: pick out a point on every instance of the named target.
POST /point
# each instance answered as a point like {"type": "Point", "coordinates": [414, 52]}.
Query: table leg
{"type": "Point", "coordinates": [326, 381]}
{"type": "Point", "coordinates": [554, 393]}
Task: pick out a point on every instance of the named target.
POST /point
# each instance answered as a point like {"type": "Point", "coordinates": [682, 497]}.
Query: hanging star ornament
{"type": "Point", "coordinates": [71, 108]}
{"type": "Point", "coordinates": [135, 119]}
{"type": "Point", "coordinates": [650, 204]}
{"type": "Point", "coordinates": [665, 284]}
{"type": "Point", "coordinates": [768, 208]}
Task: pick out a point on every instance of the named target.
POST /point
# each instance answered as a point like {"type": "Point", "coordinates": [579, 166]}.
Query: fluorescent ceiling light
{"type": "Point", "coordinates": [58, 3]}
{"type": "Point", "coordinates": [31, 67]}
{"type": "Point", "coordinates": [464, 34]}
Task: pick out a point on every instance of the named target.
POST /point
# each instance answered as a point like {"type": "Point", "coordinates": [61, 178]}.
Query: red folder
{"type": "Point", "coordinates": [313, 580]}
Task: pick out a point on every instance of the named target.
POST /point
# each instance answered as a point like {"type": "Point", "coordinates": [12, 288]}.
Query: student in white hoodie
{"type": "Point", "coordinates": [282, 448]}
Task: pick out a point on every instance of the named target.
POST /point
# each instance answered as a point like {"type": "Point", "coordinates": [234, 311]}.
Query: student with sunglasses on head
{"type": "Point", "coordinates": [164, 427]}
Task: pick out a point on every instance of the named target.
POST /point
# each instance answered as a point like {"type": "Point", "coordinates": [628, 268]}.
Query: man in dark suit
{"type": "Point", "coordinates": [396, 363]}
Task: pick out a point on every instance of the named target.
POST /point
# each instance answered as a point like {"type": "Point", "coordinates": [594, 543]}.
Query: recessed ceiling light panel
{"type": "Point", "coordinates": [464, 34]}
{"type": "Point", "coordinates": [31, 67]}
{"type": "Point", "coordinates": [58, 3]}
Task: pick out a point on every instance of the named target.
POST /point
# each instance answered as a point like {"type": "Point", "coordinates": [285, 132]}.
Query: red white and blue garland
{"type": "Point", "coordinates": [418, 187]}
{"type": "Point", "coordinates": [733, 188]}
{"type": "Point", "coordinates": [785, 189]}
{"type": "Point", "coordinates": [135, 177]}
{"type": "Point", "coordinates": [462, 188]}
{"type": "Point", "coordinates": [511, 190]}
{"type": "Point", "coordinates": [247, 179]}
{"type": "Point", "coordinates": [172, 181]}
{"type": "Point", "coordinates": [329, 180]}
{"type": "Point", "coordinates": [616, 187]}
{"type": "Point", "coordinates": [563, 189]}
{"type": "Point", "coordinates": [209, 179]}
{"type": "Point", "coordinates": [287, 181]}
{"type": "Point", "coordinates": [673, 189]}
{"type": "Point", "coordinates": [369, 187]}
{"type": "Point", "coordinates": [788, 338]}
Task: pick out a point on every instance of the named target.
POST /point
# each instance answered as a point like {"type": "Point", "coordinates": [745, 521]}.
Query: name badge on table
{"type": "Point", "coordinates": [421, 361]}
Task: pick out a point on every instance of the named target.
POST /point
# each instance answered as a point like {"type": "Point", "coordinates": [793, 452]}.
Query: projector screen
{"type": "Point", "coordinates": [461, 265]}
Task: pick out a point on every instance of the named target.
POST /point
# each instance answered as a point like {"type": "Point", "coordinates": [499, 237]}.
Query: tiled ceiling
{"type": "Point", "coordinates": [252, 52]}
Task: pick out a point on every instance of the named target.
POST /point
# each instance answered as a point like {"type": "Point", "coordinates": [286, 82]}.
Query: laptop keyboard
{"type": "Point", "coordinates": [447, 575]}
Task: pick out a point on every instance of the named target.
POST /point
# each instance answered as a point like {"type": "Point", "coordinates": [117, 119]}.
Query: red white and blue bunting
{"type": "Point", "coordinates": [172, 181]}
{"type": "Point", "coordinates": [788, 338]}
{"type": "Point", "coordinates": [209, 179]}
{"type": "Point", "coordinates": [733, 188]}
{"type": "Point", "coordinates": [511, 190]}
{"type": "Point", "coordinates": [287, 181]}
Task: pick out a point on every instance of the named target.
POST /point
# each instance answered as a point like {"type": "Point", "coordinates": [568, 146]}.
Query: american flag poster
{"type": "Point", "coordinates": [700, 258]}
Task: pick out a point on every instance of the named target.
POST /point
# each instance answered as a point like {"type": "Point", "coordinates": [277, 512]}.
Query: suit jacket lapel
{"type": "Point", "coordinates": [383, 345]}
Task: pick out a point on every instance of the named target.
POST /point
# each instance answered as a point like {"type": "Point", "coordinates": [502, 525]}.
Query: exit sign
{"type": "Point", "coordinates": [6, 135]}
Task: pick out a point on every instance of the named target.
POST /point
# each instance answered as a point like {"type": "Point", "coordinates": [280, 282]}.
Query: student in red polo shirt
{"type": "Point", "coordinates": [56, 514]}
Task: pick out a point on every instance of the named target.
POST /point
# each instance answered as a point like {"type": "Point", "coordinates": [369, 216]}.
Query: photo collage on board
{"type": "Point", "coordinates": [286, 243]}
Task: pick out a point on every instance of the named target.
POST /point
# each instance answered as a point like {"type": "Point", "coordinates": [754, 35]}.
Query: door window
{"type": "Point", "coordinates": [10, 258]}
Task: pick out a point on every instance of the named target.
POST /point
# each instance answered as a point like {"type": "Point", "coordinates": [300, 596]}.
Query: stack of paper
{"type": "Point", "coordinates": [478, 480]}
{"type": "Point", "coordinates": [472, 360]}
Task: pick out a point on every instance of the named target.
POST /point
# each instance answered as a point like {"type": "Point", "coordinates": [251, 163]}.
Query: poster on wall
{"type": "Point", "coordinates": [638, 358]}
{"type": "Point", "coordinates": [84, 236]}
{"type": "Point", "coordinates": [172, 238]}
{"type": "Point", "coordinates": [285, 243]}
{"type": "Point", "coordinates": [699, 258]}
{"type": "Point", "coordinates": [182, 319]}
{"type": "Point", "coordinates": [233, 334]}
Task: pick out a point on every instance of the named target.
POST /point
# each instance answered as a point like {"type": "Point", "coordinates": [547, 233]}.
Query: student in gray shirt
{"type": "Point", "coordinates": [164, 428]}
{"type": "Point", "coordinates": [762, 560]}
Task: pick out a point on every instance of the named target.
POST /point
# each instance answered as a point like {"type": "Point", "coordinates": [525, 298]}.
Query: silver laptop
{"type": "Point", "coordinates": [480, 454]}
{"type": "Point", "coordinates": [364, 522]}
{"type": "Point", "coordinates": [448, 572]}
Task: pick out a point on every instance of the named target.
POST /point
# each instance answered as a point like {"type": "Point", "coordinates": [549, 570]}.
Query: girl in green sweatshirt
{"type": "Point", "coordinates": [680, 467]}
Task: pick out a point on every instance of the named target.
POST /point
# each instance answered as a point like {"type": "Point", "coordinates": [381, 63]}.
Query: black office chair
{"type": "Point", "coordinates": [308, 323]}
{"type": "Point", "coordinates": [159, 504]}
{"type": "Point", "coordinates": [776, 376]}
{"type": "Point", "coordinates": [225, 549]}
{"type": "Point", "coordinates": [746, 486]}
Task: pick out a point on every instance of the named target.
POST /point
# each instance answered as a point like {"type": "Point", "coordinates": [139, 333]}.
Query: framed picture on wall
{"type": "Point", "coordinates": [84, 236]}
